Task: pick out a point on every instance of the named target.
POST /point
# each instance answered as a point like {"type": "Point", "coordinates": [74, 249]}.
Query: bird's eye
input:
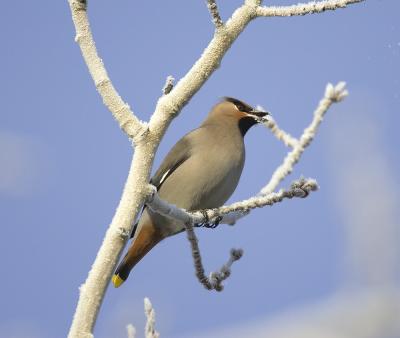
{"type": "Point", "coordinates": [240, 106]}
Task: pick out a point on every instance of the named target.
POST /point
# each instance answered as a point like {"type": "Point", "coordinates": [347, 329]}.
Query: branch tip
{"type": "Point", "coordinates": [304, 8]}
{"type": "Point", "coordinates": [169, 85]}
{"type": "Point", "coordinates": [150, 331]}
{"type": "Point", "coordinates": [216, 18]}
{"type": "Point", "coordinates": [131, 331]}
{"type": "Point", "coordinates": [336, 93]}
{"type": "Point", "coordinates": [236, 254]}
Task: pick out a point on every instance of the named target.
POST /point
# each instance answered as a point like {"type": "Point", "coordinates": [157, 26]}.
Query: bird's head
{"type": "Point", "coordinates": [234, 110]}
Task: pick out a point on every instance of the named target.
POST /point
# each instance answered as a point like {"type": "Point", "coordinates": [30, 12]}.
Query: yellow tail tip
{"type": "Point", "coordinates": [117, 281]}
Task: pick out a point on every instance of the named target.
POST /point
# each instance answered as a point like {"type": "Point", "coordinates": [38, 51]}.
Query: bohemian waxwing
{"type": "Point", "coordinates": [200, 172]}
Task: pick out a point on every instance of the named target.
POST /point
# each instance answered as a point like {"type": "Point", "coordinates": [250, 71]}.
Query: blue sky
{"type": "Point", "coordinates": [63, 159]}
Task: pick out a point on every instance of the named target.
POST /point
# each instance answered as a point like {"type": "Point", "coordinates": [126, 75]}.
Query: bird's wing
{"type": "Point", "coordinates": [177, 155]}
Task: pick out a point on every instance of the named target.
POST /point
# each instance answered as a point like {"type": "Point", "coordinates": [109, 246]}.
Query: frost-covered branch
{"type": "Point", "coordinates": [300, 188]}
{"type": "Point", "coordinates": [304, 8]}
{"type": "Point", "coordinates": [150, 330]}
{"type": "Point", "coordinates": [280, 134]}
{"type": "Point", "coordinates": [213, 8]}
{"type": "Point", "coordinates": [121, 111]}
{"type": "Point", "coordinates": [333, 94]}
{"type": "Point", "coordinates": [214, 282]}
{"type": "Point", "coordinates": [131, 331]}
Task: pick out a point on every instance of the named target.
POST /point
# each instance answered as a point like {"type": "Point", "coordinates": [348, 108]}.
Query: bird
{"type": "Point", "coordinates": [200, 172]}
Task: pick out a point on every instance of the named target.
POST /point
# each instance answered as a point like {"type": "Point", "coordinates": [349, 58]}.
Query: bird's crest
{"type": "Point", "coordinates": [240, 105]}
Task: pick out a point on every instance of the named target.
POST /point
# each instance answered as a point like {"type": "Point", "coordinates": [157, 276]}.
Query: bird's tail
{"type": "Point", "coordinates": [146, 238]}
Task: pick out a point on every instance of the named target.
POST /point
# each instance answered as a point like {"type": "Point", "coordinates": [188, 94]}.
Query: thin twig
{"type": "Point", "coordinates": [333, 94]}
{"type": "Point", "coordinates": [131, 331]}
{"type": "Point", "coordinates": [213, 8]}
{"type": "Point", "coordinates": [150, 330]}
{"type": "Point", "coordinates": [169, 84]}
{"type": "Point", "coordinates": [304, 8]}
{"type": "Point", "coordinates": [214, 282]}
{"type": "Point", "coordinates": [287, 139]}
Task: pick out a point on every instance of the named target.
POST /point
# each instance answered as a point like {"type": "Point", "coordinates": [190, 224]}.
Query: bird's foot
{"type": "Point", "coordinates": [207, 224]}
{"type": "Point", "coordinates": [214, 224]}
{"type": "Point", "coordinates": [206, 220]}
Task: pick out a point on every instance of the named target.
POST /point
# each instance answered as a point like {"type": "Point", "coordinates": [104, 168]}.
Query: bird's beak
{"type": "Point", "coordinates": [259, 116]}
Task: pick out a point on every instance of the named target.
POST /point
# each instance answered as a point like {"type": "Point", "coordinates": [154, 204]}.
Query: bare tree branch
{"type": "Point", "coordinates": [332, 95]}
{"type": "Point", "coordinates": [300, 188]}
{"type": "Point", "coordinates": [305, 8]}
{"type": "Point", "coordinates": [150, 330]}
{"type": "Point", "coordinates": [287, 139]}
{"type": "Point", "coordinates": [121, 111]}
{"type": "Point", "coordinates": [213, 8]}
{"type": "Point", "coordinates": [131, 331]}
{"type": "Point", "coordinates": [214, 282]}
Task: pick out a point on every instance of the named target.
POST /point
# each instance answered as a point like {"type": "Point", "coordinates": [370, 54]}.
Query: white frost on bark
{"type": "Point", "coordinates": [213, 8]}
{"type": "Point", "coordinates": [300, 188]}
{"type": "Point", "coordinates": [150, 330]}
{"type": "Point", "coordinates": [146, 138]}
{"type": "Point", "coordinates": [131, 331]}
{"type": "Point", "coordinates": [333, 94]}
{"type": "Point", "coordinates": [305, 8]}
{"type": "Point", "coordinates": [287, 139]}
{"type": "Point", "coordinates": [214, 281]}
{"type": "Point", "coordinates": [121, 111]}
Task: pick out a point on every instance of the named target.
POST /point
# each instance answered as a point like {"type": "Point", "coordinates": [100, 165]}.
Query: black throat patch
{"type": "Point", "coordinates": [245, 123]}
